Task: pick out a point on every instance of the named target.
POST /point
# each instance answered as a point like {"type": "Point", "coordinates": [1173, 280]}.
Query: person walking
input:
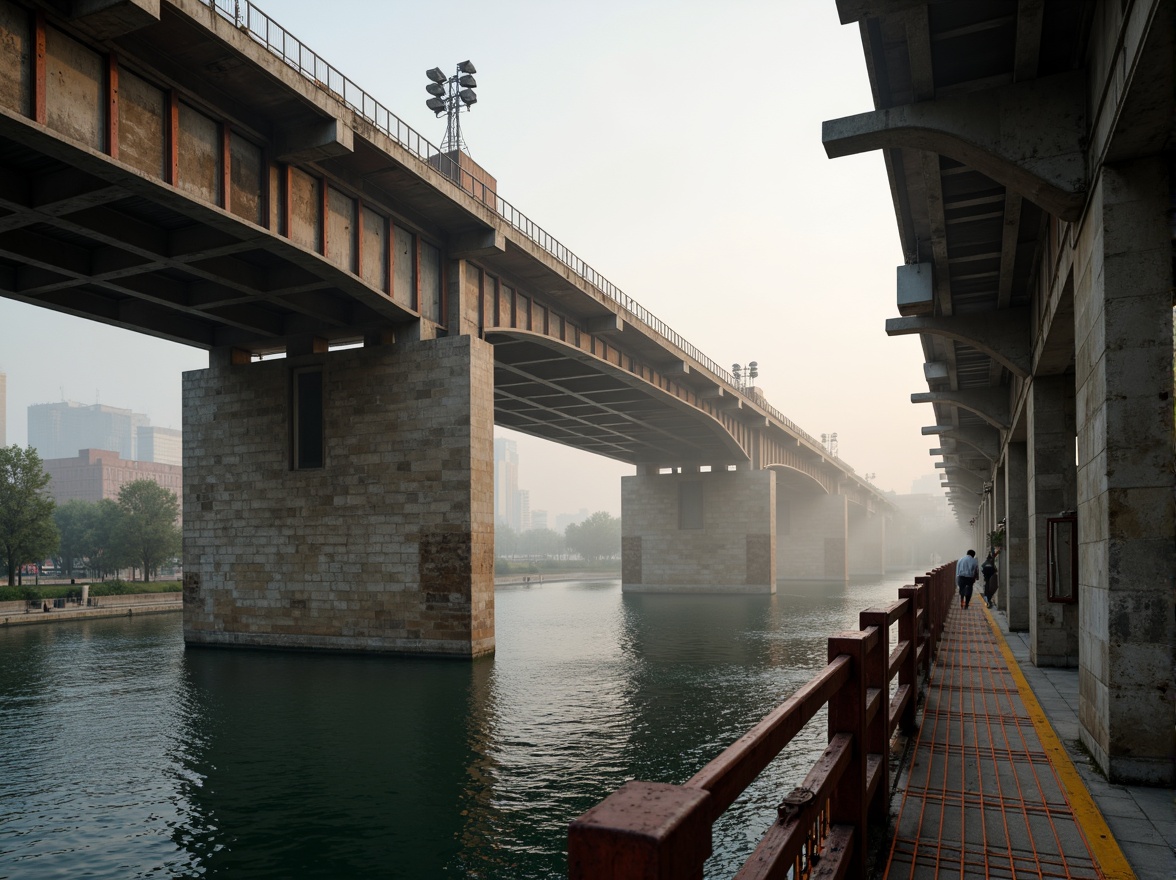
{"type": "Point", "coordinates": [991, 579]}
{"type": "Point", "coordinates": [967, 571]}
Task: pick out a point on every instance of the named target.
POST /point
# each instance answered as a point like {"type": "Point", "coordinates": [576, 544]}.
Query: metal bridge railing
{"type": "Point", "coordinates": [280, 42]}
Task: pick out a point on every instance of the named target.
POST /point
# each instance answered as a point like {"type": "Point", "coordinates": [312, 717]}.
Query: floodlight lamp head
{"type": "Point", "coordinates": [467, 97]}
{"type": "Point", "coordinates": [753, 369]}
{"type": "Point", "coordinates": [436, 105]}
{"type": "Point", "coordinates": [467, 67]}
{"type": "Point", "coordinates": [436, 75]}
{"type": "Point", "coordinates": [436, 90]}
{"type": "Point", "coordinates": [467, 82]}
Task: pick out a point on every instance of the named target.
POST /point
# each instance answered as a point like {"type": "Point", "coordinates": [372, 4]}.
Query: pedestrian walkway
{"type": "Point", "coordinates": [1142, 819]}
{"type": "Point", "coordinates": [989, 791]}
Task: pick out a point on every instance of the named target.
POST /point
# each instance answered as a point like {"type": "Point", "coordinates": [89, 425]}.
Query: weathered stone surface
{"type": "Point", "coordinates": [388, 547]}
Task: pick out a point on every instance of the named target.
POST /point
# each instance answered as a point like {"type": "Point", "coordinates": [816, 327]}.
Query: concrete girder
{"type": "Point", "coordinates": [1003, 335]}
{"type": "Point", "coordinates": [1027, 136]}
{"type": "Point", "coordinates": [991, 404]}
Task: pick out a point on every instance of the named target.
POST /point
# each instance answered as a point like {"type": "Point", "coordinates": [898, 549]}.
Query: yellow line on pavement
{"type": "Point", "coordinates": [1102, 843]}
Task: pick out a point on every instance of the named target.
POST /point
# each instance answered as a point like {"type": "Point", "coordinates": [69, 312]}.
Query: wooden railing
{"type": "Point", "coordinates": [659, 831]}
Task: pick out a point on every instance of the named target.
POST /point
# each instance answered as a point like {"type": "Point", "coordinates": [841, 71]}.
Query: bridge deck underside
{"type": "Point", "coordinates": [87, 238]}
{"type": "Point", "coordinates": [579, 401]}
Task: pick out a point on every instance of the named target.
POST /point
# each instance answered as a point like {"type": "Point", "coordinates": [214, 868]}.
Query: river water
{"type": "Point", "coordinates": [124, 755]}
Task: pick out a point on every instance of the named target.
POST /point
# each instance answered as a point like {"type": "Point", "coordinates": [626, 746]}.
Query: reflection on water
{"type": "Point", "coordinates": [125, 755]}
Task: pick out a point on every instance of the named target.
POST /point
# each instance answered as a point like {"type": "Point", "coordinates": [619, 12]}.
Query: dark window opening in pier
{"type": "Point", "coordinates": [308, 419]}
{"type": "Point", "coordinates": [690, 505]}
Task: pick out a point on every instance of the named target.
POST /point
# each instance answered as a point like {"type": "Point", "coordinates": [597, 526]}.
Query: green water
{"type": "Point", "coordinates": [124, 755]}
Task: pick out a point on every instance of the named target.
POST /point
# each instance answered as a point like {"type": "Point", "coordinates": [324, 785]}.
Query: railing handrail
{"type": "Point", "coordinates": [325, 76]}
{"type": "Point", "coordinates": [652, 830]}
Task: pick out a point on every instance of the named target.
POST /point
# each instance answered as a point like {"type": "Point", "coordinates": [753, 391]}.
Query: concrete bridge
{"type": "Point", "coordinates": [1029, 150]}
{"type": "Point", "coordinates": [189, 170]}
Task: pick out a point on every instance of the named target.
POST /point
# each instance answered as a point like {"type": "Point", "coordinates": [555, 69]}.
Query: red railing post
{"type": "Point", "coordinates": [847, 714]}
{"type": "Point", "coordinates": [642, 831]}
{"type": "Point", "coordinates": [933, 611]}
{"type": "Point", "coordinates": [878, 724]}
{"type": "Point", "coordinates": [908, 673]}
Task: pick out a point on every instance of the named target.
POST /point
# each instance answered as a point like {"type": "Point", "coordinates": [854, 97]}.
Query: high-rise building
{"type": "Point", "coordinates": [539, 519]}
{"type": "Point", "coordinates": [59, 430]}
{"type": "Point", "coordinates": [3, 410]}
{"type": "Point", "coordinates": [506, 483]}
{"type": "Point", "coordinates": [524, 501]}
{"type": "Point", "coordinates": [161, 445]}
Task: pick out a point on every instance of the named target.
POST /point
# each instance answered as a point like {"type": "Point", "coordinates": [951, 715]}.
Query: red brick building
{"type": "Point", "coordinates": [95, 474]}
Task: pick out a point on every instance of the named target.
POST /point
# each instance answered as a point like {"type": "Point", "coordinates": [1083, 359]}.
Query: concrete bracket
{"type": "Point", "coordinates": [309, 143]}
{"type": "Point", "coordinates": [991, 404]}
{"type": "Point", "coordinates": [1029, 136]}
{"type": "Point", "coordinates": [107, 19]}
{"type": "Point", "coordinates": [936, 371]}
{"type": "Point", "coordinates": [604, 325]}
{"type": "Point", "coordinates": [480, 243]}
{"type": "Point", "coordinates": [1002, 335]}
{"type": "Point", "coordinates": [984, 441]}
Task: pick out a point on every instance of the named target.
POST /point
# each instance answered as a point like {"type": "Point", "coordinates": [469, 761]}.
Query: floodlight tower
{"type": "Point", "coordinates": [450, 95]}
{"type": "Point", "coordinates": [745, 376]}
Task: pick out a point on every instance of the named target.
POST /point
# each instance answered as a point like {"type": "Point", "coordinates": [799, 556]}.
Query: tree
{"type": "Point", "coordinates": [598, 537]}
{"type": "Point", "coordinates": [75, 522]}
{"type": "Point", "coordinates": [27, 531]}
{"type": "Point", "coordinates": [147, 528]}
{"type": "Point", "coordinates": [541, 543]}
{"type": "Point", "coordinates": [104, 553]}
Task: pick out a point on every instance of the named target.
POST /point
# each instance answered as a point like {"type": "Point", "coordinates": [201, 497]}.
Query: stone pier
{"type": "Point", "coordinates": [699, 532]}
{"type": "Point", "coordinates": [342, 500]}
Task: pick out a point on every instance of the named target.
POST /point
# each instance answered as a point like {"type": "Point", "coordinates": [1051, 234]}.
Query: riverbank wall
{"type": "Point", "coordinates": [22, 613]}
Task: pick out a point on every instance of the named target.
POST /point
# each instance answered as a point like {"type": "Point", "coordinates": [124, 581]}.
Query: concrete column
{"type": "Point", "coordinates": [1126, 520]}
{"type": "Point", "coordinates": [387, 546]}
{"type": "Point", "coordinates": [709, 532]}
{"type": "Point", "coordinates": [1053, 627]}
{"type": "Point", "coordinates": [813, 537]}
{"type": "Point", "coordinates": [1013, 596]}
{"type": "Point", "coordinates": [867, 543]}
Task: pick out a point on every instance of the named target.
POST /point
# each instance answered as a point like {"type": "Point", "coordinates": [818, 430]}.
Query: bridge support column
{"type": "Point", "coordinates": [342, 500]}
{"type": "Point", "coordinates": [1126, 516]}
{"type": "Point", "coordinates": [867, 543]}
{"type": "Point", "coordinates": [1053, 627]}
{"type": "Point", "coordinates": [813, 537]}
{"type": "Point", "coordinates": [1013, 596]}
{"type": "Point", "coordinates": [699, 532]}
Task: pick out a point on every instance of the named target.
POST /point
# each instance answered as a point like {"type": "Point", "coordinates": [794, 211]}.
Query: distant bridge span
{"type": "Point", "coordinates": [199, 175]}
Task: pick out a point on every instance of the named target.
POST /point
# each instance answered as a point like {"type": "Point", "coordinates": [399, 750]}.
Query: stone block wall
{"type": "Point", "coordinates": [733, 552]}
{"type": "Point", "coordinates": [387, 548]}
{"type": "Point", "coordinates": [813, 537]}
{"type": "Point", "coordinates": [1126, 513]}
{"type": "Point", "coordinates": [866, 549]}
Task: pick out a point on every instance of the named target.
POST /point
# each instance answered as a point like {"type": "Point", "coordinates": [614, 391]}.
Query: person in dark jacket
{"type": "Point", "coordinates": [991, 580]}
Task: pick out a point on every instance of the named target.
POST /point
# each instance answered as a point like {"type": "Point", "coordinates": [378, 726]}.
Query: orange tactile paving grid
{"type": "Point", "coordinates": [982, 798]}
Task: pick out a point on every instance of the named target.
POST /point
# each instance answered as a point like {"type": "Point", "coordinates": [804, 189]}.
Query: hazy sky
{"type": "Point", "coordinates": [676, 147]}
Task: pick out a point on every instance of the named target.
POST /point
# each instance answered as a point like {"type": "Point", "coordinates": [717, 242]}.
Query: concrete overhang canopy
{"type": "Point", "coordinates": [992, 405]}
{"type": "Point", "coordinates": [1002, 335]}
{"type": "Point", "coordinates": [1027, 136]}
